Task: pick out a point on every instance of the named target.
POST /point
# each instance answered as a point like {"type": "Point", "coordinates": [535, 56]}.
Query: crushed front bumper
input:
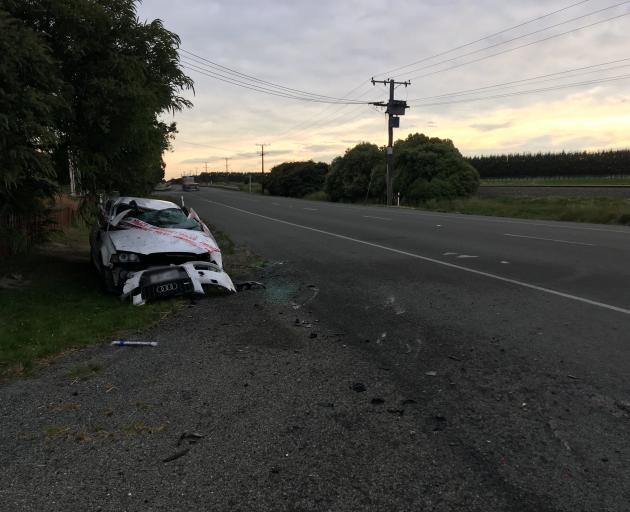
{"type": "Point", "coordinates": [194, 277]}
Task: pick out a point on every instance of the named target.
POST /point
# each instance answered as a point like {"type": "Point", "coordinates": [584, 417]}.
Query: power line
{"type": "Point", "coordinates": [530, 91]}
{"type": "Point", "coordinates": [503, 43]}
{"type": "Point", "coordinates": [207, 63]}
{"type": "Point", "coordinates": [517, 83]}
{"type": "Point", "coordinates": [521, 46]}
{"type": "Point", "coordinates": [246, 85]}
{"type": "Point", "coordinates": [528, 22]}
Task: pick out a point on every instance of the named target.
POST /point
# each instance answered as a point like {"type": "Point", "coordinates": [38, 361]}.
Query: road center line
{"type": "Point", "coordinates": [375, 217]}
{"type": "Point", "coordinates": [549, 239]}
{"type": "Point", "coordinates": [431, 260]}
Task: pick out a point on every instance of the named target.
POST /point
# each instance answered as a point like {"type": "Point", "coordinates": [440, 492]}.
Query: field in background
{"type": "Point", "coordinates": [598, 210]}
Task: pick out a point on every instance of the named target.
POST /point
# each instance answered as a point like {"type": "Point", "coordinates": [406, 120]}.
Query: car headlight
{"type": "Point", "coordinates": [125, 257]}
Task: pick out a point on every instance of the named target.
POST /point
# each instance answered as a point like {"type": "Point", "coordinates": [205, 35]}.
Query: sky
{"type": "Point", "coordinates": [334, 47]}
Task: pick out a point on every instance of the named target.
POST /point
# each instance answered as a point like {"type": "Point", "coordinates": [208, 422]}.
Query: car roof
{"type": "Point", "coordinates": [147, 204]}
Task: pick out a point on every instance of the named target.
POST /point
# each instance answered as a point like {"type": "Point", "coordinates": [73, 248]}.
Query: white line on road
{"type": "Point", "coordinates": [548, 239]}
{"type": "Point", "coordinates": [375, 217]}
{"type": "Point", "coordinates": [523, 284]}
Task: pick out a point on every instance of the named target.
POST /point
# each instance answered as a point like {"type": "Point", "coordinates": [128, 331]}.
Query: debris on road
{"type": "Point", "coordinates": [623, 405]}
{"type": "Point", "coordinates": [191, 437]}
{"type": "Point", "coordinates": [176, 455]}
{"type": "Point", "coordinates": [129, 343]}
{"type": "Point", "coordinates": [359, 387]}
{"type": "Point", "coordinates": [377, 401]}
{"type": "Point", "coordinates": [13, 282]}
{"type": "Point", "coordinates": [249, 285]}
{"type": "Point", "coordinates": [431, 374]}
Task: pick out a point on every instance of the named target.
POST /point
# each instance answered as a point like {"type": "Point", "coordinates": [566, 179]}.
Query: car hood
{"type": "Point", "coordinates": [150, 239]}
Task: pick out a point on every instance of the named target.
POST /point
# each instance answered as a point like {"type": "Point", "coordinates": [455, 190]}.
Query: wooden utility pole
{"type": "Point", "coordinates": [262, 164]}
{"type": "Point", "coordinates": [395, 108]}
{"type": "Point", "coordinates": [226, 164]}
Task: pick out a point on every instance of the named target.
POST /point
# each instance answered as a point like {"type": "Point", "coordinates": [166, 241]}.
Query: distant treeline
{"type": "Point", "coordinates": [540, 165]}
{"type": "Point", "coordinates": [232, 177]}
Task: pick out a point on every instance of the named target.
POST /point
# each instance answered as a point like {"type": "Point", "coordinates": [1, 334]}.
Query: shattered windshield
{"type": "Point", "coordinates": [168, 218]}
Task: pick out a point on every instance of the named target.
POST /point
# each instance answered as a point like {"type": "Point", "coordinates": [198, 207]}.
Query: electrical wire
{"type": "Point", "coordinates": [246, 85]}
{"type": "Point", "coordinates": [538, 31]}
{"type": "Point", "coordinates": [466, 45]}
{"type": "Point", "coordinates": [207, 63]}
{"type": "Point", "coordinates": [531, 43]}
{"type": "Point", "coordinates": [541, 78]}
{"type": "Point", "coordinates": [530, 91]}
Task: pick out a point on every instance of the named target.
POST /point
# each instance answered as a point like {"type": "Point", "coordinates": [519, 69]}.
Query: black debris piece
{"type": "Point", "coordinates": [377, 401]}
{"type": "Point", "coordinates": [177, 455]}
{"type": "Point", "coordinates": [359, 387]}
{"type": "Point", "coordinates": [248, 285]}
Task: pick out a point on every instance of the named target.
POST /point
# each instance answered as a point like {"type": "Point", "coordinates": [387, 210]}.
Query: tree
{"type": "Point", "coordinates": [357, 174]}
{"type": "Point", "coordinates": [28, 105]}
{"type": "Point", "coordinates": [118, 75]}
{"type": "Point", "coordinates": [296, 179]}
{"type": "Point", "coordinates": [431, 168]}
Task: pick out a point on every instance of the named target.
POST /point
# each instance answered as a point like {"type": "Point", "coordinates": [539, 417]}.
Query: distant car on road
{"type": "Point", "coordinates": [163, 185]}
{"type": "Point", "coordinates": [189, 184]}
{"type": "Point", "coordinates": [147, 249]}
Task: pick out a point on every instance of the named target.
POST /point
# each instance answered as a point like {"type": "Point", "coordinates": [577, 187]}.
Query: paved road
{"type": "Point", "coordinates": [517, 330]}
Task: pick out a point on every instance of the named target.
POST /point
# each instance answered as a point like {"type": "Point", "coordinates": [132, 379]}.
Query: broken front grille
{"type": "Point", "coordinates": [172, 258]}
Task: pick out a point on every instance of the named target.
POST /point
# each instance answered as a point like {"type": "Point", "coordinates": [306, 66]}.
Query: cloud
{"type": "Point", "coordinates": [488, 127]}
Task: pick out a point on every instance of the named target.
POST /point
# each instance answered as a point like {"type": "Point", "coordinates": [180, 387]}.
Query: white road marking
{"type": "Point", "coordinates": [523, 284]}
{"type": "Point", "coordinates": [310, 209]}
{"type": "Point", "coordinates": [466, 256]}
{"type": "Point", "coordinates": [450, 254]}
{"type": "Point", "coordinates": [505, 262]}
{"type": "Point", "coordinates": [548, 239]}
{"type": "Point", "coordinates": [375, 217]}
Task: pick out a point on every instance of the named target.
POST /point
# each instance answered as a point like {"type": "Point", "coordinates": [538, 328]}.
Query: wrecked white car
{"type": "Point", "coordinates": [147, 249]}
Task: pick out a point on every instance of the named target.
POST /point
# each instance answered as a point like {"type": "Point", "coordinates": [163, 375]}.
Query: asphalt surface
{"type": "Point", "coordinates": [396, 360]}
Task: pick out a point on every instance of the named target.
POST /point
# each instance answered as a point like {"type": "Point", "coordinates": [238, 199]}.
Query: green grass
{"type": "Point", "coordinates": [575, 209]}
{"type": "Point", "coordinates": [320, 195]}
{"type": "Point", "coordinates": [559, 181]}
{"type": "Point", "coordinates": [63, 306]}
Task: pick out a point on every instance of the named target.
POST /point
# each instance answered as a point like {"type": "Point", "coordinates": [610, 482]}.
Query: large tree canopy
{"type": "Point", "coordinates": [431, 168]}
{"type": "Point", "coordinates": [103, 80]}
{"type": "Point", "coordinates": [357, 174]}
{"type": "Point", "coordinates": [28, 105]}
{"type": "Point", "coordinates": [296, 179]}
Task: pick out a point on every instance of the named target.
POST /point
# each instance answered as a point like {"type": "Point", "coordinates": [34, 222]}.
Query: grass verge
{"type": "Point", "coordinates": [58, 305]}
{"type": "Point", "coordinates": [598, 210]}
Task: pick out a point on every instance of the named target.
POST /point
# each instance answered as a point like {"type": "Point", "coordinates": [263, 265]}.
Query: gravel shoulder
{"type": "Point", "coordinates": [249, 402]}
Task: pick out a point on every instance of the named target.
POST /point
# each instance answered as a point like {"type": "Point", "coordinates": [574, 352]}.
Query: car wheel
{"type": "Point", "coordinates": [107, 281]}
